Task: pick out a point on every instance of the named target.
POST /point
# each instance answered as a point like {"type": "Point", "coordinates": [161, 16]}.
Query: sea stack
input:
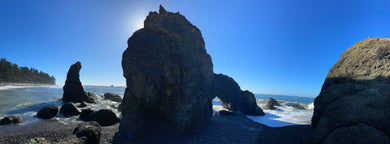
{"type": "Point", "coordinates": [354, 103]}
{"type": "Point", "coordinates": [233, 98]}
{"type": "Point", "coordinates": [73, 90]}
{"type": "Point", "coordinates": [169, 76]}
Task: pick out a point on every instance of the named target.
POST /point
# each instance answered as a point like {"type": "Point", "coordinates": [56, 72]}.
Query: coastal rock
{"type": "Point", "coordinates": [11, 120]}
{"type": "Point", "coordinates": [85, 114]}
{"type": "Point", "coordinates": [354, 98]}
{"type": "Point", "coordinates": [90, 130]}
{"type": "Point", "coordinates": [225, 112]}
{"type": "Point", "coordinates": [169, 76]}
{"type": "Point", "coordinates": [271, 103]}
{"type": "Point", "coordinates": [112, 97]}
{"type": "Point", "coordinates": [90, 97]}
{"type": "Point", "coordinates": [73, 90]}
{"type": "Point", "coordinates": [104, 117]}
{"type": "Point", "coordinates": [68, 109]}
{"type": "Point", "coordinates": [233, 98]}
{"type": "Point", "coordinates": [82, 105]}
{"type": "Point", "coordinates": [48, 112]}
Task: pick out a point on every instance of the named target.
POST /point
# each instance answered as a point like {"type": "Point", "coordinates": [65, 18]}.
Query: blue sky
{"type": "Point", "coordinates": [267, 46]}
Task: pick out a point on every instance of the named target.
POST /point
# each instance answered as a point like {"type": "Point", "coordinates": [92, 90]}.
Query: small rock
{"type": "Point", "coordinates": [112, 97]}
{"type": "Point", "coordinates": [225, 112]}
{"type": "Point", "coordinates": [85, 114]}
{"type": "Point", "coordinates": [271, 103]}
{"type": "Point", "coordinates": [90, 130]}
{"type": "Point", "coordinates": [104, 117]}
{"type": "Point", "coordinates": [48, 112]}
{"type": "Point", "coordinates": [68, 109]}
{"type": "Point", "coordinates": [37, 140]}
{"type": "Point", "coordinates": [11, 120]}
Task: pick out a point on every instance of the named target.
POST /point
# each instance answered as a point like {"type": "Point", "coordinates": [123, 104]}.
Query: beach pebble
{"type": "Point", "coordinates": [37, 140]}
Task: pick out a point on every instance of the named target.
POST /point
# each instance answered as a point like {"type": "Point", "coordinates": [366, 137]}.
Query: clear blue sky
{"type": "Point", "coordinates": [273, 46]}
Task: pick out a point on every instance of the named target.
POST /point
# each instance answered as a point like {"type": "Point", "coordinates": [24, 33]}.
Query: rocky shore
{"type": "Point", "coordinates": [221, 129]}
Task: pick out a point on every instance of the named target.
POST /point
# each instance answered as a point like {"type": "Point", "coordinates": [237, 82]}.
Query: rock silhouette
{"type": "Point", "coordinates": [353, 106]}
{"type": "Point", "coordinates": [48, 112]}
{"type": "Point", "coordinates": [73, 90]}
{"type": "Point", "coordinates": [11, 120]}
{"type": "Point", "coordinates": [271, 103]}
{"type": "Point", "coordinates": [233, 98]}
{"type": "Point", "coordinates": [168, 74]}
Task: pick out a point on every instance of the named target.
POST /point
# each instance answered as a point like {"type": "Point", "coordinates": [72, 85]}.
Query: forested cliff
{"type": "Point", "coordinates": [12, 73]}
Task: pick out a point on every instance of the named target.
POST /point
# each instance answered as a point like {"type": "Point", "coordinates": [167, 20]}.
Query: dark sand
{"type": "Point", "coordinates": [221, 129]}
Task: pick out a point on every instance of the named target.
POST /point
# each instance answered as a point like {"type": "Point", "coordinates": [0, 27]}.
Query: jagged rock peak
{"type": "Point", "coordinates": [162, 10]}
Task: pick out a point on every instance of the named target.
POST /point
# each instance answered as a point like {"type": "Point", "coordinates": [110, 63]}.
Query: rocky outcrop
{"type": "Point", "coordinates": [112, 97]}
{"type": "Point", "coordinates": [11, 120]}
{"type": "Point", "coordinates": [48, 112]}
{"type": "Point", "coordinates": [271, 103]}
{"type": "Point", "coordinates": [233, 98]}
{"type": "Point", "coordinates": [353, 106]}
{"type": "Point", "coordinates": [104, 117]}
{"type": "Point", "coordinates": [168, 75]}
{"type": "Point", "coordinates": [73, 90]}
{"type": "Point", "coordinates": [84, 133]}
{"type": "Point", "coordinates": [69, 109]}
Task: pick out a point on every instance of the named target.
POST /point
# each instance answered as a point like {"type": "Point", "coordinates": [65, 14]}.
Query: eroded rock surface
{"type": "Point", "coordinates": [233, 98]}
{"type": "Point", "coordinates": [169, 75]}
{"type": "Point", "coordinates": [73, 90]}
{"type": "Point", "coordinates": [354, 98]}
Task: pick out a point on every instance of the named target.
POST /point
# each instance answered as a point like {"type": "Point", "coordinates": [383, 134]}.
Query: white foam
{"type": "Point", "coordinates": [20, 87]}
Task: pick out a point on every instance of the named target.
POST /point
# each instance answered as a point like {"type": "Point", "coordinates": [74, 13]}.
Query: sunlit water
{"type": "Point", "coordinates": [26, 101]}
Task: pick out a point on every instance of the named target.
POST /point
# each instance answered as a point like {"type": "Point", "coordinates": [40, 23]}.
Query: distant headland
{"type": "Point", "coordinates": [12, 74]}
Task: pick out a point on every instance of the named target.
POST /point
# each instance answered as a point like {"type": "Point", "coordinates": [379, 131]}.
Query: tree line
{"type": "Point", "coordinates": [12, 73]}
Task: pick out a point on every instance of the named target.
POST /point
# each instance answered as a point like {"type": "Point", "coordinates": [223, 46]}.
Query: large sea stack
{"type": "Point", "coordinates": [354, 103]}
{"type": "Point", "coordinates": [73, 90]}
{"type": "Point", "coordinates": [169, 77]}
{"type": "Point", "coordinates": [233, 98]}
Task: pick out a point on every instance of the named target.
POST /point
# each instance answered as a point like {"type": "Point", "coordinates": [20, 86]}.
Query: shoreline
{"type": "Point", "coordinates": [24, 84]}
{"type": "Point", "coordinates": [221, 129]}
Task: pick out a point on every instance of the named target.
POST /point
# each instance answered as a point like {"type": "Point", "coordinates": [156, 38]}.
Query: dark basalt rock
{"type": "Point", "coordinates": [73, 90]}
{"type": "Point", "coordinates": [68, 109]}
{"type": "Point", "coordinates": [90, 130]}
{"type": "Point", "coordinates": [353, 106]}
{"type": "Point", "coordinates": [82, 105]}
{"type": "Point", "coordinates": [112, 97]}
{"type": "Point", "coordinates": [48, 112]}
{"type": "Point", "coordinates": [233, 98]}
{"type": "Point", "coordinates": [11, 120]}
{"type": "Point", "coordinates": [104, 117]}
{"type": "Point", "coordinates": [271, 103]}
{"type": "Point", "coordinates": [85, 114]}
{"type": "Point", "coordinates": [224, 112]}
{"type": "Point", "coordinates": [169, 76]}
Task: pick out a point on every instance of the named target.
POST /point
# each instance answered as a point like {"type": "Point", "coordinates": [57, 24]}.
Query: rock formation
{"type": "Point", "coordinates": [69, 109]}
{"type": "Point", "coordinates": [233, 98]}
{"type": "Point", "coordinates": [104, 117]}
{"type": "Point", "coordinates": [271, 103]}
{"type": "Point", "coordinates": [84, 115]}
{"type": "Point", "coordinates": [11, 120]}
{"type": "Point", "coordinates": [354, 103]}
{"type": "Point", "coordinates": [73, 90]}
{"type": "Point", "coordinates": [112, 97]}
{"type": "Point", "coordinates": [48, 112]}
{"type": "Point", "coordinates": [168, 75]}
{"type": "Point", "coordinates": [84, 133]}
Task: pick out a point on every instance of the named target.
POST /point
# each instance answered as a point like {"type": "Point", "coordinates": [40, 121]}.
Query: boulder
{"type": "Point", "coordinates": [169, 76]}
{"type": "Point", "coordinates": [112, 97]}
{"type": "Point", "coordinates": [271, 103]}
{"type": "Point", "coordinates": [353, 105]}
{"type": "Point", "coordinates": [85, 114]}
{"type": "Point", "coordinates": [82, 105]}
{"type": "Point", "coordinates": [73, 90]}
{"type": "Point", "coordinates": [69, 109]}
{"type": "Point", "coordinates": [233, 98]}
{"type": "Point", "coordinates": [91, 132]}
{"type": "Point", "coordinates": [104, 117]}
{"type": "Point", "coordinates": [48, 112]}
{"type": "Point", "coordinates": [11, 120]}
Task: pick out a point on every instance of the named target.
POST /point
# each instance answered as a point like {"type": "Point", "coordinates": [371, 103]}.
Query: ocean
{"type": "Point", "coordinates": [26, 101]}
